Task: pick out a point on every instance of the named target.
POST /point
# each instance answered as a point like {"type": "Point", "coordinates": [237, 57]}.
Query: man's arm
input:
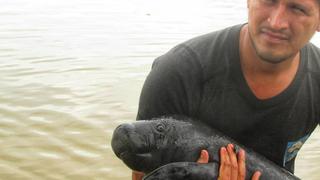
{"type": "Point", "coordinates": [173, 87]}
{"type": "Point", "coordinates": [137, 175]}
{"type": "Point", "coordinates": [174, 82]}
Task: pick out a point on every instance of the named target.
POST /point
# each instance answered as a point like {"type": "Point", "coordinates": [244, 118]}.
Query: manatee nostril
{"type": "Point", "coordinates": [123, 131]}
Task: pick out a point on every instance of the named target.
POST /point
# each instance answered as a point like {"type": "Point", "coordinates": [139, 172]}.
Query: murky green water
{"type": "Point", "coordinates": [71, 71]}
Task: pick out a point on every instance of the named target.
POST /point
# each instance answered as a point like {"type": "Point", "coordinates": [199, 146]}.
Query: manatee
{"type": "Point", "coordinates": [197, 171]}
{"type": "Point", "coordinates": [185, 171]}
{"type": "Point", "coordinates": [147, 145]}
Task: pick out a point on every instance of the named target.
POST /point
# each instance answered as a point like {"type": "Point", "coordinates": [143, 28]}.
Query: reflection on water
{"type": "Point", "coordinates": [71, 71]}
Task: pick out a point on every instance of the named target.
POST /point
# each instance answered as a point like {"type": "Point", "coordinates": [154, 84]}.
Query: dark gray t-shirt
{"type": "Point", "coordinates": [202, 78]}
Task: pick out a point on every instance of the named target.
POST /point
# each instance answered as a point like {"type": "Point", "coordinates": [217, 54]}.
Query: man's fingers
{"type": "Point", "coordinates": [233, 161]}
{"type": "Point", "coordinates": [256, 175]}
{"type": "Point", "coordinates": [225, 165]}
{"type": "Point", "coordinates": [242, 165]}
{"type": "Point", "coordinates": [204, 157]}
{"type": "Point", "coordinates": [233, 166]}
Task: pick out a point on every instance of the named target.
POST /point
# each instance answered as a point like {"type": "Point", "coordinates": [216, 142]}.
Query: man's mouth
{"type": "Point", "coordinates": [274, 37]}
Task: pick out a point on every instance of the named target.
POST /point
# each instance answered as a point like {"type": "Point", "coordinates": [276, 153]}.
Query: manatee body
{"type": "Point", "coordinates": [147, 145]}
{"type": "Point", "coordinates": [185, 171]}
{"type": "Point", "coordinates": [197, 171]}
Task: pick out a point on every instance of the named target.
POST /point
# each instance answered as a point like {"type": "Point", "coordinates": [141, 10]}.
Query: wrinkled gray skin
{"type": "Point", "coordinates": [185, 171]}
{"type": "Point", "coordinates": [147, 145]}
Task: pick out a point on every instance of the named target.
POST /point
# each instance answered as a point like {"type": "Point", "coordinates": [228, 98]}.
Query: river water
{"type": "Point", "coordinates": [71, 71]}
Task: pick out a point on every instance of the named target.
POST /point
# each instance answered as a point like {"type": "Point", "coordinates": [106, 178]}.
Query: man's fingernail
{"type": "Point", "coordinates": [259, 174]}
{"type": "Point", "coordinates": [229, 147]}
{"type": "Point", "coordinates": [223, 149]}
{"type": "Point", "coordinates": [242, 152]}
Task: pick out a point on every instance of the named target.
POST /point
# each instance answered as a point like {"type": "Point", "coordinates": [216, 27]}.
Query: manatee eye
{"type": "Point", "coordinates": [160, 128]}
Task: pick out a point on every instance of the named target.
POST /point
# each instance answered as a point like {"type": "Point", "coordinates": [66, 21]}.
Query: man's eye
{"type": "Point", "coordinates": [298, 9]}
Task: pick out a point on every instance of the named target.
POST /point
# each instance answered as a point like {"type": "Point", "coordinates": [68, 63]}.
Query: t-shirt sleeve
{"type": "Point", "coordinates": [173, 87]}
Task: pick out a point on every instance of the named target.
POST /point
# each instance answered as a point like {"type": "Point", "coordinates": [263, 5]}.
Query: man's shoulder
{"type": "Point", "coordinates": [312, 56]}
{"type": "Point", "coordinates": [210, 52]}
{"type": "Point", "coordinates": [313, 49]}
{"type": "Point", "coordinates": [213, 40]}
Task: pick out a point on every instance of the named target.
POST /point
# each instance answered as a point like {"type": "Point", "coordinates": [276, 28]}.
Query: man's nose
{"type": "Point", "coordinates": [278, 18]}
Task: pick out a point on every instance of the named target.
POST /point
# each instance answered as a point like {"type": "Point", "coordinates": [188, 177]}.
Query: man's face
{"type": "Point", "coordinates": [278, 29]}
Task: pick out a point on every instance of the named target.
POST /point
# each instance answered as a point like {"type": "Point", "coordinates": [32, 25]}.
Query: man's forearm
{"type": "Point", "coordinates": [137, 175]}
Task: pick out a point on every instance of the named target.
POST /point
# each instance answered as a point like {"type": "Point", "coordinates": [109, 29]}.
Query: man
{"type": "Point", "coordinates": [258, 83]}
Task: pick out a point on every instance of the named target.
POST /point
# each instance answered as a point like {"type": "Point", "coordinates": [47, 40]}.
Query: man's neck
{"type": "Point", "coordinates": [265, 79]}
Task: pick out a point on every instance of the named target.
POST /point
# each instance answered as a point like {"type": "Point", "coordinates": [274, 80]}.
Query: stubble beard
{"type": "Point", "coordinates": [268, 56]}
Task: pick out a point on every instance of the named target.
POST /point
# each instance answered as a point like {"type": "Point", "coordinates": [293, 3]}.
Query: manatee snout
{"type": "Point", "coordinates": [131, 144]}
{"type": "Point", "coordinates": [126, 139]}
{"type": "Point", "coordinates": [121, 138]}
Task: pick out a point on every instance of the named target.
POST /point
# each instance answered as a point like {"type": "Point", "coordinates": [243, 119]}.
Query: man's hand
{"type": "Point", "coordinates": [232, 167]}
{"type": "Point", "coordinates": [137, 175]}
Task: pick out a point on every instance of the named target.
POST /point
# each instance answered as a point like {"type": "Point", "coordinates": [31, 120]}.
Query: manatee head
{"type": "Point", "coordinates": [147, 145]}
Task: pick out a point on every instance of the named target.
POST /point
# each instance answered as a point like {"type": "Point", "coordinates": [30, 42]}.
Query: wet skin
{"type": "Point", "coordinates": [146, 145]}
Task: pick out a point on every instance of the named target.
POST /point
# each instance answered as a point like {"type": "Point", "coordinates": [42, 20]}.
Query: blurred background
{"type": "Point", "coordinates": [71, 71]}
